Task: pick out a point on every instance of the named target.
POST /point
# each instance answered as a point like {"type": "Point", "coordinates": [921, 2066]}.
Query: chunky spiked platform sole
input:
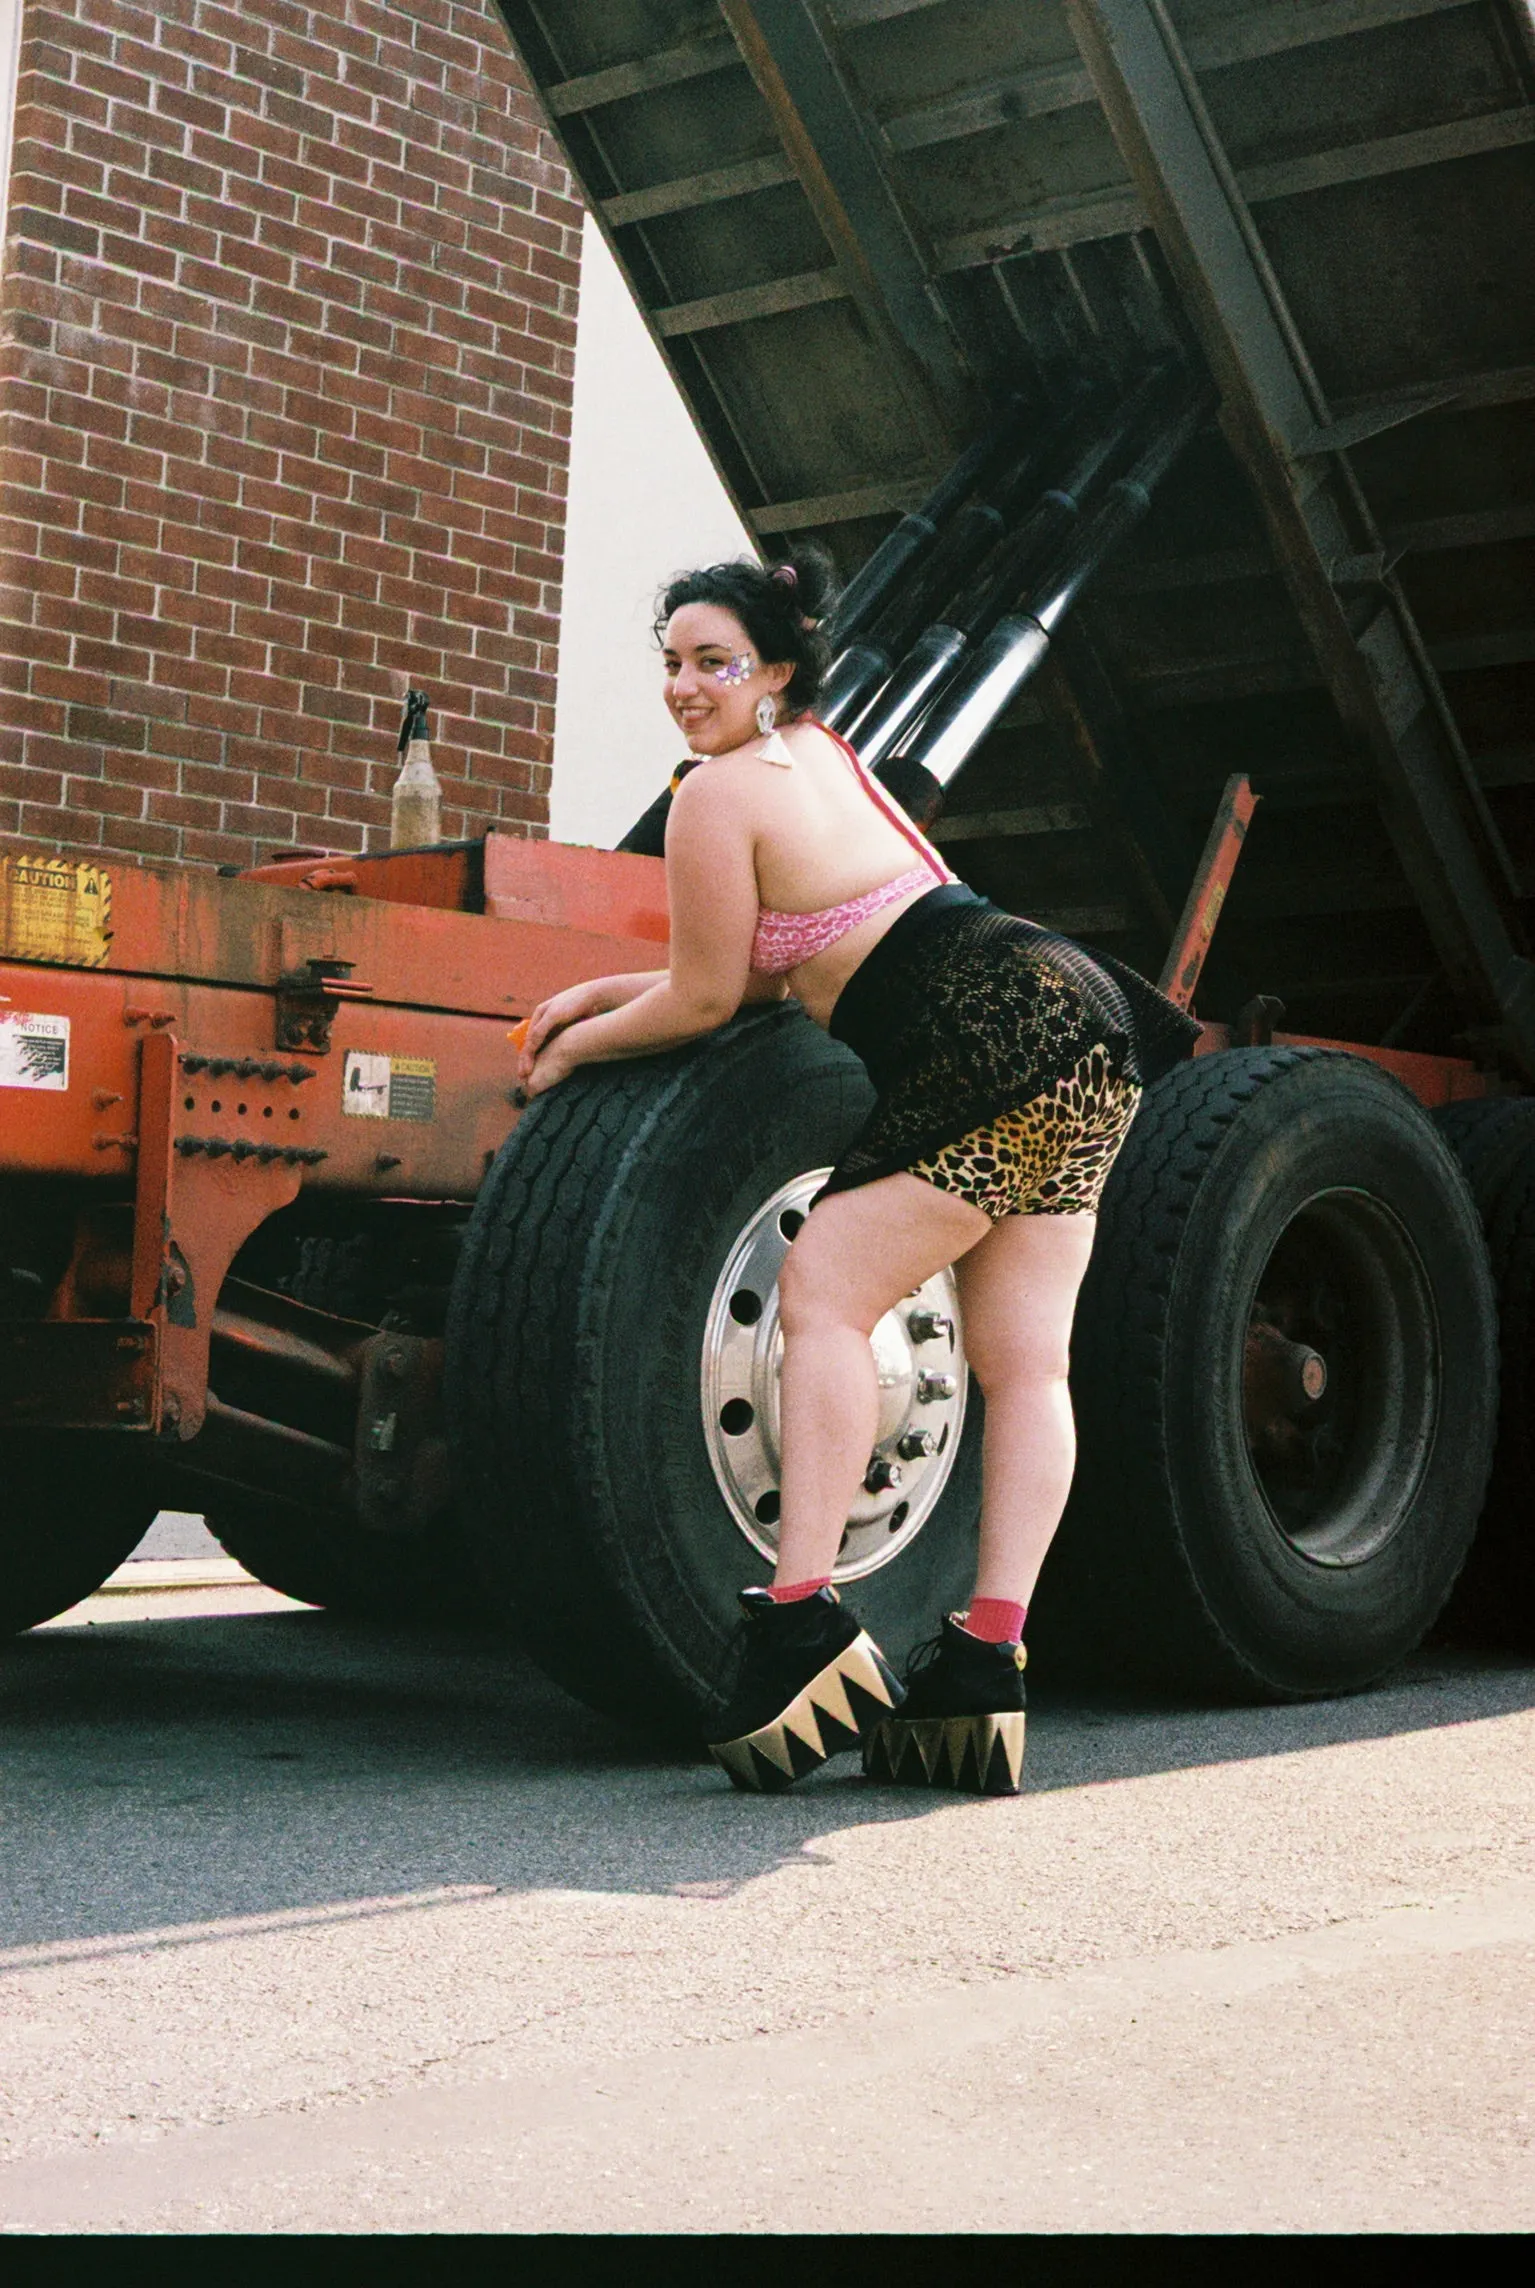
{"type": "Point", "coordinates": [982, 1755]}
{"type": "Point", "coordinates": [836, 1711]}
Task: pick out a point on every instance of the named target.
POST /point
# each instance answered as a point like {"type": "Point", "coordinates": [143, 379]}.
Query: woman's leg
{"type": "Point", "coordinates": [856, 1256]}
{"type": "Point", "coordinates": [1018, 1292]}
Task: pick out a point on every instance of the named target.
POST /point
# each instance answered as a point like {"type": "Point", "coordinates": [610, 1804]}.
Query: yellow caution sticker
{"type": "Point", "coordinates": [55, 909]}
{"type": "Point", "coordinates": [34, 1050]}
{"type": "Point", "coordinates": [376, 1087]}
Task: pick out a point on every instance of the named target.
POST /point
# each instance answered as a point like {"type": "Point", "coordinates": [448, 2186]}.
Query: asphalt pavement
{"type": "Point", "coordinates": [309, 1926]}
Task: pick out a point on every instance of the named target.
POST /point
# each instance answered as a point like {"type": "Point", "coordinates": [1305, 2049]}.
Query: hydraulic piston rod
{"type": "Point", "coordinates": [940, 651]}
{"type": "Point", "coordinates": [859, 671]}
{"type": "Point", "coordinates": [874, 580]}
{"type": "Point", "coordinates": [950, 733]}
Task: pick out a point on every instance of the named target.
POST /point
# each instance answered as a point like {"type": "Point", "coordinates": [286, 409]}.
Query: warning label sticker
{"type": "Point", "coordinates": [377, 1087]}
{"type": "Point", "coordinates": [34, 1051]}
{"type": "Point", "coordinates": [55, 909]}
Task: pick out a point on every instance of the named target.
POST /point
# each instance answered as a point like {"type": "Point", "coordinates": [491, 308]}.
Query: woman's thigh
{"type": "Point", "coordinates": [860, 1251]}
{"type": "Point", "coordinates": [1018, 1293]}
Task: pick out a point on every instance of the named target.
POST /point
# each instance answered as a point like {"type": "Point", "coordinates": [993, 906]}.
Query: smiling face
{"type": "Point", "coordinates": [714, 678]}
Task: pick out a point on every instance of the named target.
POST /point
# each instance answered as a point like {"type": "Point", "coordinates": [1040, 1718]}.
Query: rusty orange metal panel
{"type": "Point", "coordinates": [570, 888]}
{"type": "Point", "coordinates": [406, 1103]}
{"type": "Point", "coordinates": [201, 927]}
{"type": "Point", "coordinates": [448, 876]}
{"type": "Point", "coordinates": [87, 1125]}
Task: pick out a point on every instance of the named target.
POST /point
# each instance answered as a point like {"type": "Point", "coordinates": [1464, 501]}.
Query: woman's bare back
{"type": "Point", "coordinates": [820, 838]}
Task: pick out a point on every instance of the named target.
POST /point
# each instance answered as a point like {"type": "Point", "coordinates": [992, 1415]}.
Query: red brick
{"type": "Point", "coordinates": [284, 436]}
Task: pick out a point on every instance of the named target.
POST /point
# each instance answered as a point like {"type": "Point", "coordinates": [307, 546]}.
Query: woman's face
{"type": "Point", "coordinates": [714, 679]}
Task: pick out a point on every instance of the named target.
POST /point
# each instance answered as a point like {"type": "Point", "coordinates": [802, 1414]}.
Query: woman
{"type": "Point", "coordinates": [1007, 1065]}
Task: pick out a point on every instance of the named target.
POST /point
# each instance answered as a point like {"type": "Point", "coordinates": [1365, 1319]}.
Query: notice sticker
{"type": "Point", "coordinates": [55, 909]}
{"type": "Point", "coordinates": [412, 1088]}
{"type": "Point", "coordinates": [34, 1051]}
{"type": "Point", "coordinates": [388, 1088]}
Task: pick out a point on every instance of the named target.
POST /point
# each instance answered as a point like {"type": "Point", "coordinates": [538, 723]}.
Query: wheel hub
{"type": "Point", "coordinates": [1339, 1377]}
{"type": "Point", "coordinates": [922, 1379]}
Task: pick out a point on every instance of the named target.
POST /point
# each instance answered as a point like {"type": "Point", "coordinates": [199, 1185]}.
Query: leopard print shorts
{"type": "Point", "coordinates": [1051, 1156]}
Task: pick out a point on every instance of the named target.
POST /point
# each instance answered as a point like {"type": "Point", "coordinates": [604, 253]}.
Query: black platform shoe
{"type": "Point", "coordinates": [811, 1684]}
{"type": "Point", "coordinates": [963, 1720]}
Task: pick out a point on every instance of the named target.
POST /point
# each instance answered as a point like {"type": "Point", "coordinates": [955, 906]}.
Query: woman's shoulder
{"type": "Point", "coordinates": [714, 788]}
{"type": "Point", "coordinates": [808, 737]}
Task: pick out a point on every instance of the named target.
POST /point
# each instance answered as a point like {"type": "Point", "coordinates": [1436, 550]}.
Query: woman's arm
{"type": "Point", "coordinates": [590, 998]}
{"type": "Point", "coordinates": [711, 884]}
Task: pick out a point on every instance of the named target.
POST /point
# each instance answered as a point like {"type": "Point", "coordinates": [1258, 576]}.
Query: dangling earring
{"type": "Point", "coordinates": [774, 750]}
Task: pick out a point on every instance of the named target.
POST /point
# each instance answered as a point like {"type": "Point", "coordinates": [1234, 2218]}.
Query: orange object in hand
{"type": "Point", "coordinates": [519, 1034]}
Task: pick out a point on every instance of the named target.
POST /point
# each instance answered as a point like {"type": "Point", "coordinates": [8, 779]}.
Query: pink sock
{"type": "Point", "coordinates": [995, 1620]}
{"type": "Point", "coordinates": [792, 1591]}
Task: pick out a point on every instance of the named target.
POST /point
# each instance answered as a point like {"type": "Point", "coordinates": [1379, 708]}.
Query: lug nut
{"type": "Point", "coordinates": [931, 1387]}
{"type": "Point", "coordinates": [917, 1445]}
{"type": "Point", "coordinates": [881, 1476]}
{"type": "Point", "coordinates": [927, 1326]}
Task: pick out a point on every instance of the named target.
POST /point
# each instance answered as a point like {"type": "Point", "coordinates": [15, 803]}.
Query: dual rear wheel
{"type": "Point", "coordinates": [1284, 1371]}
{"type": "Point", "coordinates": [1284, 1374]}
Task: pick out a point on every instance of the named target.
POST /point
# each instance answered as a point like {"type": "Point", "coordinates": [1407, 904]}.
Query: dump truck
{"type": "Point", "coordinates": [1158, 377]}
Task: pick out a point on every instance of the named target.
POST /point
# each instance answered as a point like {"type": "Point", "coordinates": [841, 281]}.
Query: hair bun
{"type": "Point", "coordinates": [786, 573]}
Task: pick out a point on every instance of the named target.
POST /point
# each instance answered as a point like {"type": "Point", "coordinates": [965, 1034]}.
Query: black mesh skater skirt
{"type": "Point", "coordinates": [962, 1012]}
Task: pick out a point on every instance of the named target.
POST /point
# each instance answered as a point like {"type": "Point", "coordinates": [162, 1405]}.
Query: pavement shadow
{"type": "Point", "coordinates": [164, 1775]}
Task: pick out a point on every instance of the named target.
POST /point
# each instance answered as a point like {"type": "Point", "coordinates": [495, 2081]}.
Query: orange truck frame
{"type": "Point", "coordinates": [192, 1055]}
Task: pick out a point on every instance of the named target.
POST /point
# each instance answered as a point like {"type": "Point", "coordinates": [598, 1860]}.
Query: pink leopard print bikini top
{"type": "Point", "coordinates": [784, 940]}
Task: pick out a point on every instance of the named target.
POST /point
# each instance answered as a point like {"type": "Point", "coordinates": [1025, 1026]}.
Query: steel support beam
{"type": "Point", "coordinates": [831, 146]}
{"type": "Point", "coordinates": [1368, 646]}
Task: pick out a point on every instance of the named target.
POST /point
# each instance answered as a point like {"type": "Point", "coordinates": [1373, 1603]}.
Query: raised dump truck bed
{"type": "Point", "coordinates": [856, 226]}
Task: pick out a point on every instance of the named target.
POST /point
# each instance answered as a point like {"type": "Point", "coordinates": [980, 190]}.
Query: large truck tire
{"type": "Point", "coordinates": [323, 1556]}
{"type": "Point", "coordinates": [69, 1515]}
{"type": "Point", "coordinates": [1285, 1375]}
{"type": "Point", "coordinates": [1488, 1136]}
{"type": "Point", "coordinates": [612, 1371]}
{"type": "Point", "coordinates": [1494, 1600]}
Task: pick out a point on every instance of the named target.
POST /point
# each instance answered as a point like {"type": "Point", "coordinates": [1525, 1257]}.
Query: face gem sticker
{"type": "Point", "coordinates": [737, 670]}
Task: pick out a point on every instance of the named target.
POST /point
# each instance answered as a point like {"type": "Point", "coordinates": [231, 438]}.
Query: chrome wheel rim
{"type": "Point", "coordinates": [923, 1385]}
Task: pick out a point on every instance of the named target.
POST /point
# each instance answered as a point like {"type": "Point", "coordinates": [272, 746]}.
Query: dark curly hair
{"type": "Point", "coordinates": [783, 608]}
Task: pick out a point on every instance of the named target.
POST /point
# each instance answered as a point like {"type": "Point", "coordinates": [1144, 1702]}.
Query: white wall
{"type": "Point", "coordinates": [645, 502]}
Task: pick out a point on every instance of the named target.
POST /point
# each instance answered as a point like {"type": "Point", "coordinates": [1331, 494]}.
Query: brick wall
{"type": "Point", "coordinates": [286, 343]}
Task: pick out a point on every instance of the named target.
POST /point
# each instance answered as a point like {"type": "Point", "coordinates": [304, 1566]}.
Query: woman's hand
{"type": "Point", "coordinates": [552, 1064]}
{"type": "Point", "coordinates": [593, 997]}
{"type": "Point", "coordinates": [553, 1015]}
